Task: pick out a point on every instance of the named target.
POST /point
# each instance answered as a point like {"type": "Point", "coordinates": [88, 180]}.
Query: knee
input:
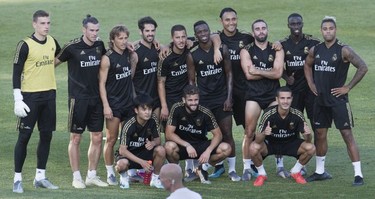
{"type": "Point", "coordinates": [159, 151]}
{"type": "Point", "coordinates": [96, 138]}
{"type": "Point", "coordinates": [122, 165]}
{"type": "Point", "coordinates": [46, 136]}
{"type": "Point", "coordinates": [310, 149]}
{"type": "Point", "coordinates": [170, 147]}
{"type": "Point", "coordinates": [225, 148]}
{"type": "Point", "coordinates": [75, 138]}
{"type": "Point", "coordinates": [24, 137]}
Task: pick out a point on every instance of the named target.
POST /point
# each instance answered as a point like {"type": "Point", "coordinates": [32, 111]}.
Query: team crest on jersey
{"type": "Point", "coordinates": [82, 52]}
{"type": "Point", "coordinates": [317, 56]}
{"type": "Point", "coordinates": [200, 62]}
{"type": "Point", "coordinates": [270, 58]}
{"type": "Point", "coordinates": [198, 122]}
{"type": "Point", "coordinates": [288, 52]}
{"type": "Point", "coordinates": [240, 44]}
{"type": "Point", "coordinates": [334, 57]}
{"type": "Point", "coordinates": [306, 50]}
{"type": "Point", "coordinates": [146, 59]}
{"type": "Point", "coordinates": [98, 50]}
{"type": "Point", "coordinates": [291, 125]}
{"type": "Point", "coordinates": [255, 57]}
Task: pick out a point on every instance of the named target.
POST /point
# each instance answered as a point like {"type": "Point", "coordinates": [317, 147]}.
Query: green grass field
{"type": "Point", "coordinates": [355, 27]}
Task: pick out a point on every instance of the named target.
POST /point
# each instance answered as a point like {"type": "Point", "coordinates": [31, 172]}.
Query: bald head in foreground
{"type": "Point", "coordinates": [171, 178]}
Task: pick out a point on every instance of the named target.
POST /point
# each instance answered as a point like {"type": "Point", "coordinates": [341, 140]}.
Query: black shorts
{"type": "Point", "coordinates": [142, 154]}
{"type": "Point", "coordinates": [123, 113]}
{"type": "Point", "coordinates": [85, 112]}
{"type": "Point", "coordinates": [288, 148]}
{"type": "Point", "coordinates": [304, 100]}
{"type": "Point", "coordinates": [239, 105]}
{"type": "Point", "coordinates": [199, 147]}
{"type": "Point", "coordinates": [341, 114]}
{"type": "Point", "coordinates": [220, 114]}
{"type": "Point", "coordinates": [43, 112]}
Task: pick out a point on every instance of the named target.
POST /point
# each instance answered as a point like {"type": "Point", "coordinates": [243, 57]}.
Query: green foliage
{"type": "Point", "coordinates": [355, 27]}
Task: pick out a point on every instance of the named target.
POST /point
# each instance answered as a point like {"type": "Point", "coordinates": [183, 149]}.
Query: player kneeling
{"type": "Point", "coordinates": [186, 134]}
{"type": "Point", "coordinates": [140, 143]}
{"type": "Point", "coordinates": [279, 131]}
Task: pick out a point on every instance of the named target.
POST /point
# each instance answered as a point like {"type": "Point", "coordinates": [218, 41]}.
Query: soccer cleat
{"type": "Point", "coordinates": [304, 170]}
{"type": "Point", "coordinates": [246, 176]}
{"type": "Point", "coordinates": [298, 178]}
{"type": "Point", "coordinates": [233, 176]}
{"type": "Point", "coordinates": [259, 181]}
{"type": "Point", "coordinates": [111, 180]}
{"type": "Point", "coordinates": [219, 170]}
{"type": "Point", "coordinates": [254, 170]}
{"type": "Point", "coordinates": [358, 181]}
{"type": "Point", "coordinates": [44, 183]}
{"type": "Point", "coordinates": [156, 183]}
{"type": "Point", "coordinates": [95, 181]}
{"type": "Point", "coordinates": [78, 184]}
{"type": "Point", "coordinates": [17, 187]}
{"type": "Point", "coordinates": [136, 178]}
{"type": "Point", "coordinates": [316, 177]}
{"type": "Point", "coordinates": [282, 172]}
{"type": "Point", "coordinates": [124, 182]}
{"type": "Point", "coordinates": [190, 176]}
{"type": "Point", "coordinates": [203, 175]}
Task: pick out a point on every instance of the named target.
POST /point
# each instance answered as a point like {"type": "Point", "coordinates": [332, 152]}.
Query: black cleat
{"type": "Point", "coordinates": [358, 181]}
{"type": "Point", "coordinates": [317, 177]}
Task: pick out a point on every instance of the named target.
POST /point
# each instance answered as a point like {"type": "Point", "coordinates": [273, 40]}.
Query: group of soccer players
{"type": "Point", "coordinates": [142, 86]}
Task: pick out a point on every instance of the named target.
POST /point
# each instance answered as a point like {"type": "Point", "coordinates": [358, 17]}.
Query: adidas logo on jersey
{"type": "Point", "coordinates": [175, 64]}
{"type": "Point", "coordinates": [145, 60]}
{"type": "Point", "coordinates": [288, 53]}
{"type": "Point", "coordinates": [200, 62]}
{"type": "Point", "coordinates": [255, 57]}
{"type": "Point", "coordinates": [118, 66]}
{"type": "Point", "coordinates": [317, 56]}
{"type": "Point", "coordinates": [82, 52]}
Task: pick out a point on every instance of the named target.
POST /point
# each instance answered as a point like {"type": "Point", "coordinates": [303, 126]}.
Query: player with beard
{"type": "Point", "coordinates": [279, 133]}
{"type": "Point", "coordinates": [116, 91]}
{"type": "Point", "coordinates": [186, 134]}
{"type": "Point", "coordinates": [147, 58]}
{"type": "Point", "coordinates": [326, 70]}
{"type": "Point", "coordinates": [214, 82]}
{"type": "Point", "coordinates": [83, 55]}
{"type": "Point", "coordinates": [263, 67]}
{"type": "Point", "coordinates": [296, 47]}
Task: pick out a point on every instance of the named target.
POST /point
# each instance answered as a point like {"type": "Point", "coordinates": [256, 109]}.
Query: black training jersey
{"type": "Point", "coordinates": [145, 77]}
{"type": "Point", "coordinates": [119, 85]}
{"type": "Point", "coordinates": [330, 71]}
{"type": "Point", "coordinates": [283, 129]}
{"type": "Point", "coordinates": [174, 69]}
{"type": "Point", "coordinates": [235, 43]}
{"type": "Point", "coordinates": [191, 127]}
{"type": "Point", "coordinates": [262, 89]}
{"type": "Point", "coordinates": [295, 56]}
{"type": "Point", "coordinates": [211, 79]}
{"type": "Point", "coordinates": [134, 135]}
{"type": "Point", "coordinates": [83, 67]}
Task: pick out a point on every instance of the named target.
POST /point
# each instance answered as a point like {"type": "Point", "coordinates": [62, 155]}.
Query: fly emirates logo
{"type": "Point", "coordinates": [297, 62]}
{"type": "Point", "coordinates": [211, 70]}
{"type": "Point", "coordinates": [92, 62]}
{"type": "Point", "coordinates": [324, 67]}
